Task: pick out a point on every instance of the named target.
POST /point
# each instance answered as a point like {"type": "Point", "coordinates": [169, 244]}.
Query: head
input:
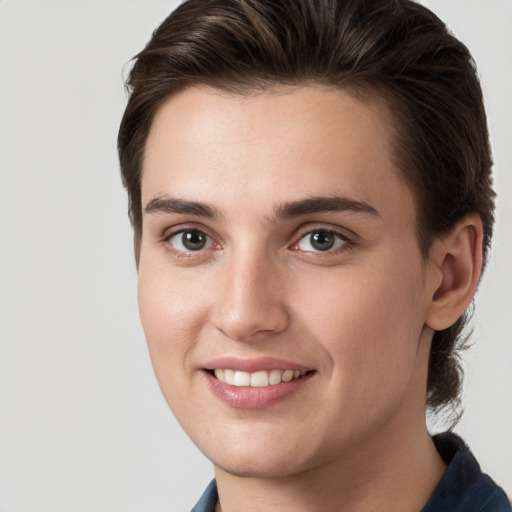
{"type": "Point", "coordinates": [393, 51]}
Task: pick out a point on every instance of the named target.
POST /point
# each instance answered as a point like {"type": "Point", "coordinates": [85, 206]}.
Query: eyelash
{"type": "Point", "coordinates": [347, 242]}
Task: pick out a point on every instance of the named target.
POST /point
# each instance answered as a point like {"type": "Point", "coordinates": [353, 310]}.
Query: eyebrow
{"type": "Point", "coordinates": [323, 204]}
{"type": "Point", "coordinates": [167, 204]}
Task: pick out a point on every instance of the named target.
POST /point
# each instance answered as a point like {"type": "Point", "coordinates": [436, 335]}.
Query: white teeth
{"type": "Point", "coordinates": [242, 379]}
{"type": "Point", "coordinates": [229, 377]}
{"type": "Point", "coordinates": [287, 376]}
{"type": "Point", "coordinates": [257, 379]}
{"type": "Point", "coordinates": [274, 377]}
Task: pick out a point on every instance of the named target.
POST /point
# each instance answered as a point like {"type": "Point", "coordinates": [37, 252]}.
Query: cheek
{"type": "Point", "coordinates": [369, 324]}
{"type": "Point", "coordinates": [170, 312]}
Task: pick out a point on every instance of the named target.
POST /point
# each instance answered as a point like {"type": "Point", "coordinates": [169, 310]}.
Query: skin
{"type": "Point", "coordinates": [360, 315]}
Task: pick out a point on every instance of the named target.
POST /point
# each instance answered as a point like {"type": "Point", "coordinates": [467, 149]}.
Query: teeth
{"type": "Point", "coordinates": [229, 377]}
{"type": "Point", "coordinates": [257, 379]}
{"type": "Point", "coordinates": [274, 377]}
{"type": "Point", "coordinates": [287, 376]}
{"type": "Point", "coordinates": [242, 379]}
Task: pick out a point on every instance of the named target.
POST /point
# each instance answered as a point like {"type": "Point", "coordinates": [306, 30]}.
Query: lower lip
{"type": "Point", "coordinates": [245, 397]}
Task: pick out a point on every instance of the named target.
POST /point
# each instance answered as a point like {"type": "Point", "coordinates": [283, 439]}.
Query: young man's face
{"type": "Point", "coordinates": [278, 235]}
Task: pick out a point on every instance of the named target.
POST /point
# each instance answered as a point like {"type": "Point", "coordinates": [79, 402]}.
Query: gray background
{"type": "Point", "coordinates": [83, 426]}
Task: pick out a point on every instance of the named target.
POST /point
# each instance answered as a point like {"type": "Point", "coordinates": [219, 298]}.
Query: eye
{"type": "Point", "coordinates": [321, 240]}
{"type": "Point", "coordinates": [190, 240]}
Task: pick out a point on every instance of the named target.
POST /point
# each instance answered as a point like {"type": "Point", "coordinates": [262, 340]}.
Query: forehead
{"type": "Point", "coordinates": [286, 143]}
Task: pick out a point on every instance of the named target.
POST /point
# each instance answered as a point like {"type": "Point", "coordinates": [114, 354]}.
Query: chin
{"type": "Point", "coordinates": [263, 468]}
{"type": "Point", "coordinates": [256, 456]}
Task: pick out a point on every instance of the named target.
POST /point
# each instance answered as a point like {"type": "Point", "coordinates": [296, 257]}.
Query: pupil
{"type": "Point", "coordinates": [193, 240]}
{"type": "Point", "coordinates": [322, 241]}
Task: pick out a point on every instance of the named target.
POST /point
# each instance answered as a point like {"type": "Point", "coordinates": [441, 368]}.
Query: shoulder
{"type": "Point", "coordinates": [464, 488]}
{"type": "Point", "coordinates": [496, 502]}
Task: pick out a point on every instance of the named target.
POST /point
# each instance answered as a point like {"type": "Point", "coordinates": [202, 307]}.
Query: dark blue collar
{"type": "Point", "coordinates": [208, 499]}
{"type": "Point", "coordinates": [463, 488]}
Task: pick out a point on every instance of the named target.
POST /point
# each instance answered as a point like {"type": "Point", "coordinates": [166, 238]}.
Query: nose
{"type": "Point", "coordinates": [250, 305]}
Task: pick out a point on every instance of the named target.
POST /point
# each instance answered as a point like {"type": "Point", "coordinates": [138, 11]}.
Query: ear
{"type": "Point", "coordinates": [455, 264]}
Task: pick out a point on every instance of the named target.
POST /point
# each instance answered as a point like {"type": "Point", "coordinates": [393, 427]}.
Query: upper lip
{"type": "Point", "coordinates": [253, 364]}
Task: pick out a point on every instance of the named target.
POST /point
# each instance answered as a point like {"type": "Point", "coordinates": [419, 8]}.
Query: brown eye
{"type": "Point", "coordinates": [190, 240]}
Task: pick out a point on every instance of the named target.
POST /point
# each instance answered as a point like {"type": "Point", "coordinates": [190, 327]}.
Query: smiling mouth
{"type": "Point", "coordinates": [259, 379]}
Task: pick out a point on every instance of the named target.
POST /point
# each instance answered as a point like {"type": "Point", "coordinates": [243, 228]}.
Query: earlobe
{"type": "Point", "coordinates": [455, 266]}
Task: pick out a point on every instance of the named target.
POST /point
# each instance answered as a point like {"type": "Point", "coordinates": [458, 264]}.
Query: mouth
{"type": "Point", "coordinates": [258, 379]}
{"type": "Point", "coordinates": [257, 383]}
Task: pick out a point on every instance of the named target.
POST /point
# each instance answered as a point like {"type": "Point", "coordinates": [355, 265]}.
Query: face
{"type": "Point", "coordinates": [281, 287]}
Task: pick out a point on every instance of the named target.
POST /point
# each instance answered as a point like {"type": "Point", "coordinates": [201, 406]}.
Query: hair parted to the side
{"type": "Point", "coordinates": [395, 49]}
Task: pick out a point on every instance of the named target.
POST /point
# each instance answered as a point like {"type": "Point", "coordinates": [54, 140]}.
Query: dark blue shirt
{"type": "Point", "coordinates": [463, 488]}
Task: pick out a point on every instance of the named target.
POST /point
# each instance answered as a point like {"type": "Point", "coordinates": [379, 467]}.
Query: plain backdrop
{"type": "Point", "coordinates": [83, 426]}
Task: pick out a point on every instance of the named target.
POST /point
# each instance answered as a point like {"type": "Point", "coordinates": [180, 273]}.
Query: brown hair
{"type": "Point", "coordinates": [396, 49]}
